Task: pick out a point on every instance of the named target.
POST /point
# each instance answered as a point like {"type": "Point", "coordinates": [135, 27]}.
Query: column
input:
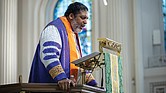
{"type": "Point", "coordinates": [139, 67]}
{"type": "Point", "coordinates": [8, 41]}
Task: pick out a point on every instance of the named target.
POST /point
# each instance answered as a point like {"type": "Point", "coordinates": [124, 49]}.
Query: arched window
{"type": "Point", "coordinates": [85, 35]}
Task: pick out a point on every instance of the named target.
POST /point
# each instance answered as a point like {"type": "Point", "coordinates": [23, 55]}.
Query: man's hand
{"type": "Point", "coordinates": [65, 84]}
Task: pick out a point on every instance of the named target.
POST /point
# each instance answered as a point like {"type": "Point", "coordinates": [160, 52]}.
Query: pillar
{"type": "Point", "coordinates": [8, 41]}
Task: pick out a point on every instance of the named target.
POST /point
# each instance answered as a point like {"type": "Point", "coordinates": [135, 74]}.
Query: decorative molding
{"type": "Point", "coordinates": [158, 87]}
{"type": "Point", "coordinates": [50, 10]}
{"type": "Point", "coordinates": [109, 44]}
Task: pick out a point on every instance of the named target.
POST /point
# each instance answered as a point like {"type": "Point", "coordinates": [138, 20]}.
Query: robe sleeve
{"type": "Point", "coordinates": [51, 45]}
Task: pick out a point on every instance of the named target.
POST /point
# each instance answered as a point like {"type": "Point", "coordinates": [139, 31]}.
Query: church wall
{"type": "Point", "coordinates": [29, 31]}
{"type": "Point", "coordinates": [152, 20]}
{"type": "Point", "coordinates": [154, 77]}
{"type": "Point", "coordinates": [115, 21]}
{"type": "Point", "coordinates": [26, 47]}
{"type": "Point", "coordinates": [32, 19]}
{"type": "Point", "coordinates": [152, 82]}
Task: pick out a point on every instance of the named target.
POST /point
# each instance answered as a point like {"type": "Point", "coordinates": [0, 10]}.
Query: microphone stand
{"type": "Point", "coordinates": [102, 79]}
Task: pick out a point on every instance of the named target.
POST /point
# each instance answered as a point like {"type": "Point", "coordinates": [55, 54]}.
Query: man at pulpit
{"type": "Point", "coordinates": [58, 47]}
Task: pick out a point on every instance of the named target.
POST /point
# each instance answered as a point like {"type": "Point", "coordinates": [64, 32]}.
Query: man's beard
{"type": "Point", "coordinates": [76, 28]}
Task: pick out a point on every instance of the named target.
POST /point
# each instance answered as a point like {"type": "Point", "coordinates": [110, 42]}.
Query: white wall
{"type": "Point", "coordinates": [32, 19]}
{"type": "Point", "coordinates": [27, 36]}
{"type": "Point", "coordinates": [154, 75]}
{"type": "Point", "coordinates": [115, 21]}
{"type": "Point", "coordinates": [151, 20]}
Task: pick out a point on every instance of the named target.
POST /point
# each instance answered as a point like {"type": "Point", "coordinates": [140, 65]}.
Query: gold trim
{"type": "Point", "coordinates": [109, 44]}
{"type": "Point", "coordinates": [56, 71]}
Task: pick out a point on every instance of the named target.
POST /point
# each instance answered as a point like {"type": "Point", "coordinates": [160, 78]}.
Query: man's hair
{"type": "Point", "coordinates": [75, 8]}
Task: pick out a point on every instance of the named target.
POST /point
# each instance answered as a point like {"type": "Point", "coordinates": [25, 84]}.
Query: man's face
{"type": "Point", "coordinates": [79, 21]}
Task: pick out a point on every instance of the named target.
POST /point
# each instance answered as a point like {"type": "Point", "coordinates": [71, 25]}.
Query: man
{"type": "Point", "coordinates": [58, 47]}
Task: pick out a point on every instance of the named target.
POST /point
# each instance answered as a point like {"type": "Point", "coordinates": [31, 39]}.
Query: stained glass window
{"type": "Point", "coordinates": [85, 35]}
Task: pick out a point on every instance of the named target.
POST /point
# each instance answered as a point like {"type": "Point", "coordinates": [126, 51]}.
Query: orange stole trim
{"type": "Point", "coordinates": [74, 53]}
{"type": "Point", "coordinates": [56, 71]}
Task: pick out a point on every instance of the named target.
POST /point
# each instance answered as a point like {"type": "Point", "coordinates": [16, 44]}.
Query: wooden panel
{"type": "Point", "coordinates": [46, 87]}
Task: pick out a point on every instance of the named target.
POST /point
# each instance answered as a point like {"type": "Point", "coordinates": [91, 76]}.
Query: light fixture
{"type": "Point", "coordinates": [105, 2]}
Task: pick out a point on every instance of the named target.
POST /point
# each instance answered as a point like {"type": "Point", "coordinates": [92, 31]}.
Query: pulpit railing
{"type": "Point", "coordinates": [47, 88]}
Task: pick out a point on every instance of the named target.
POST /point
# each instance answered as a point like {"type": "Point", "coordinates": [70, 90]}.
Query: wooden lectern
{"type": "Point", "coordinates": [89, 62]}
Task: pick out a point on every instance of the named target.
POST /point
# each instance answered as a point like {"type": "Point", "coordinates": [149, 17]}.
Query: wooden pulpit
{"type": "Point", "coordinates": [113, 73]}
{"type": "Point", "coordinates": [53, 87]}
{"type": "Point", "coordinates": [46, 87]}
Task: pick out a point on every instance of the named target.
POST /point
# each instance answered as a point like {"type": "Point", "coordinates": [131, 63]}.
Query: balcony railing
{"type": "Point", "coordinates": [157, 61]}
